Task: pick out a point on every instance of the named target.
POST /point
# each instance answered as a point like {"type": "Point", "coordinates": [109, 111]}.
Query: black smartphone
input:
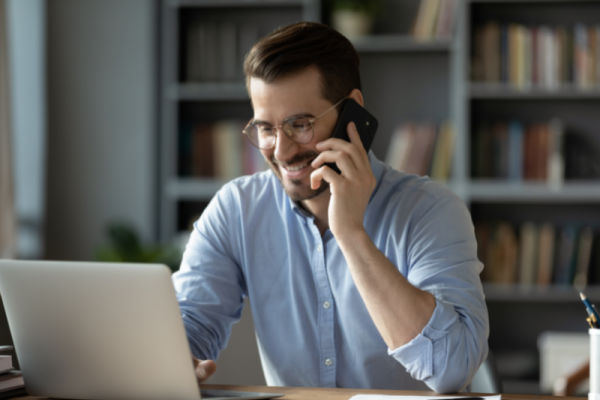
{"type": "Point", "coordinates": [366, 124]}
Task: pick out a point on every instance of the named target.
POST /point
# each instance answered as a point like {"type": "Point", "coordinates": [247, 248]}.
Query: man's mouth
{"type": "Point", "coordinates": [297, 168]}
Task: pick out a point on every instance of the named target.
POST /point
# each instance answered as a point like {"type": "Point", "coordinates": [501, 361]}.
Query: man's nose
{"type": "Point", "coordinates": [284, 145]}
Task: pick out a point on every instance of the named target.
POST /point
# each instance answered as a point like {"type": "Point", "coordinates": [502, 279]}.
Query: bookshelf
{"type": "Point", "coordinates": [203, 99]}
{"type": "Point", "coordinates": [406, 79]}
{"type": "Point", "coordinates": [510, 77]}
{"type": "Point", "coordinates": [195, 93]}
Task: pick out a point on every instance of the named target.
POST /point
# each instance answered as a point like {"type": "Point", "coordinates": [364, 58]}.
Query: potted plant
{"type": "Point", "coordinates": [353, 18]}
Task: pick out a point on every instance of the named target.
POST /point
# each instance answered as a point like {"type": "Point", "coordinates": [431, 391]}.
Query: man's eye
{"type": "Point", "coordinates": [264, 129]}
{"type": "Point", "coordinates": [302, 123]}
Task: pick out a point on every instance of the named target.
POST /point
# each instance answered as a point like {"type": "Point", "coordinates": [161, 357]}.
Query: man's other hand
{"type": "Point", "coordinates": [204, 369]}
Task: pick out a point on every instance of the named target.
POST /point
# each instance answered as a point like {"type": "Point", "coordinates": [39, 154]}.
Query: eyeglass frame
{"type": "Point", "coordinates": [279, 127]}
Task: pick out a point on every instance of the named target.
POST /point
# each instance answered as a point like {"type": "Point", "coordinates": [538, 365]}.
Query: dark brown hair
{"type": "Point", "coordinates": [292, 48]}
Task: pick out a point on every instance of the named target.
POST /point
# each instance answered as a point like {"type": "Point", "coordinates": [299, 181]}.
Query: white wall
{"type": "Point", "coordinates": [26, 34]}
{"type": "Point", "coordinates": [101, 121]}
{"type": "Point", "coordinates": [101, 161]}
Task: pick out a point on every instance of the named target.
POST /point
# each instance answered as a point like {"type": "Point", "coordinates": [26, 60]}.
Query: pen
{"type": "Point", "coordinates": [593, 317]}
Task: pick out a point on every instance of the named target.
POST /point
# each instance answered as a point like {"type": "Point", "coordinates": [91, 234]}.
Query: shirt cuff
{"type": "Point", "coordinates": [428, 348]}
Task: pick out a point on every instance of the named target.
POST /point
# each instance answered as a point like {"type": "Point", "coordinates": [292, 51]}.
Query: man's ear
{"type": "Point", "coordinates": [357, 96]}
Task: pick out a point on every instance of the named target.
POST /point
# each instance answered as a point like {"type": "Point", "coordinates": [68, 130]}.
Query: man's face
{"type": "Point", "coordinates": [298, 94]}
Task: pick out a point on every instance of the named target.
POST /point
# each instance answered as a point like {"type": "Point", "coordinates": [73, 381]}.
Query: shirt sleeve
{"type": "Point", "coordinates": [209, 284]}
{"type": "Point", "coordinates": [442, 259]}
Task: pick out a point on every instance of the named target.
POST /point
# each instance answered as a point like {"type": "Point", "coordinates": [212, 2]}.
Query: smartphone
{"type": "Point", "coordinates": [366, 124]}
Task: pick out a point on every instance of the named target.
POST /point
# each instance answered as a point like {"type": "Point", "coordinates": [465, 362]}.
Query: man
{"type": "Point", "coordinates": [368, 278]}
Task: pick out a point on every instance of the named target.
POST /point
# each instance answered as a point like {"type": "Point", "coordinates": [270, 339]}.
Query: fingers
{"type": "Point", "coordinates": [341, 151]}
{"type": "Point", "coordinates": [204, 369]}
{"type": "Point", "coordinates": [323, 173]}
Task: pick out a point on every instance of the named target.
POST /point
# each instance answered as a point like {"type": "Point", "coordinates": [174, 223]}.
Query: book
{"type": "Point", "coordinates": [499, 155]}
{"type": "Point", "coordinates": [419, 158]}
{"type": "Point", "coordinates": [11, 380]}
{"type": "Point", "coordinates": [515, 151]}
{"type": "Point", "coordinates": [6, 363]}
{"type": "Point", "coordinates": [400, 145]}
{"type": "Point", "coordinates": [584, 254]}
{"type": "Point", "coordinates": [227, 34]}
{"type": "Point", "coordinates": [411, 148]}
{"type": "Point", "coordinates": [227, 142]}
{"type": "Point", "coordinates": [502, 254]}
{"type": "Point", "coordinates": [556, 162]}
{"type": "Point", "coordinates": [545, 254]}
{"type": "Point", "coordinates": [425, 22]}
{"type": "Point", "coordinates": [203, 154]}
{"type": "Point", "coordinates": [490, 52]}
{"type": "Point", "coordinates": [528, 253]}
{"type": "Point", "coordinates": [480, 152]}
{"type": "Point", "coordinates": [564, 256]}
{"type": "Point", "coordinates": [442, 154]}
{"type": "Point", "coordinates": [446, 19]}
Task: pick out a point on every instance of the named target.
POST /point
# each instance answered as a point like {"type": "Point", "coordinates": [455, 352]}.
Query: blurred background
{"type": "Point", "coordinates": [119, 120]}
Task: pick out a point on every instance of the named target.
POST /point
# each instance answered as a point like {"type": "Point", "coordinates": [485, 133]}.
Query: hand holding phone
{"type": "Point", "coordinates": [366, 125]}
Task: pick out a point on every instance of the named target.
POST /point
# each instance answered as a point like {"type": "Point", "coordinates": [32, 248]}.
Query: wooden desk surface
{"type": "Point", "coordinates": [304, 393]}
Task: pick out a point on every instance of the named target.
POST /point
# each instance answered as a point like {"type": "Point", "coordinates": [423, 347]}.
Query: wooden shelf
{"type": "Point", "coordinates": [514, 293]}
{"type": "Point", "coordinates": [500, 191]}
{"type": "Point", "coordinates": [501, 91]}
{"type": "Point", "coordinates": [236, 3]}
{"type": "Point", "coordinates": [400, 44]}
{"type": "Point", "coordinates": [227, 91]}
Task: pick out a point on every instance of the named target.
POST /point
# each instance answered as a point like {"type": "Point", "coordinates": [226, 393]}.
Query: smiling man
{"type": "Point", "coordinates": [364, 278]}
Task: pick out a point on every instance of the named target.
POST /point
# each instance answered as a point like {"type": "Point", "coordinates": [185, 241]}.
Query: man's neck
{"type": "Point", "coordinates": [318, 207]}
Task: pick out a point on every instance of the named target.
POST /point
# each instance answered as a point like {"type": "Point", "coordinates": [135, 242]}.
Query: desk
{"type": "Point", "coordinates": [307, 393]}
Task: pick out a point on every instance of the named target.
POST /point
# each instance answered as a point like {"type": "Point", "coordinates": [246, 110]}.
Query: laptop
{"type": "Point", "coordinates": [91, 330]}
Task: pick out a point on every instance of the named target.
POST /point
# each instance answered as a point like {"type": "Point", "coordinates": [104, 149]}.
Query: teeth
{"type": "Point", "coordinates": [296, 167]}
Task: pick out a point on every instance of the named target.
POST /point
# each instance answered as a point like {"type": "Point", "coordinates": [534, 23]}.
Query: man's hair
{"type": "Point", "coordinates": [290, 49]}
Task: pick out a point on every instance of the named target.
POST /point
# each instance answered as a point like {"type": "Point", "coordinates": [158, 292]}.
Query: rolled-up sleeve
{"type": "Point", "coordinates": [442, 260]}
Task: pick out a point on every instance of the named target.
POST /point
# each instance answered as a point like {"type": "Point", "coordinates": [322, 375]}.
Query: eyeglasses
{"type": "Point", "coordinates": [298, 128]}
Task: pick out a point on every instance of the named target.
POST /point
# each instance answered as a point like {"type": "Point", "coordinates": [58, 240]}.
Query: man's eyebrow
{"type": "Point", "coordinates": [260, 121]}
{"type": "Point", "coordinates": [291, 117]}
{"type": "Point", "coordinates": [296, 116]}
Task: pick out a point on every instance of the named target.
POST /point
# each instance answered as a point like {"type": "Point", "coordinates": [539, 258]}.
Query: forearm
{"type": "Point", "coordinates": [398, 309]}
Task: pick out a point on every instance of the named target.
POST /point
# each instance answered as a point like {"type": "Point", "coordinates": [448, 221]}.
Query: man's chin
{"type": "Point", "coordinates": [295, 191]}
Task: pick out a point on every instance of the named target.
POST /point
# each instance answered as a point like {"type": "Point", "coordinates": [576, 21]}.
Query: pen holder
{"type": "Point", "coordinates": [594, 393]}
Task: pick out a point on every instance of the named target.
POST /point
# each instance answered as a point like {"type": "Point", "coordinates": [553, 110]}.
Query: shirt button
{"type": "Point", "coordinates": [319, 248]}
{"type": "Point", "coordinates": [326, 305]}
{"type": "Point", "coordinates": [328, 362]}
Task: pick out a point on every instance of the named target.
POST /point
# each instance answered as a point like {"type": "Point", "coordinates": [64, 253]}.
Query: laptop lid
{"type": "Point", "coordinates": [97, 330]}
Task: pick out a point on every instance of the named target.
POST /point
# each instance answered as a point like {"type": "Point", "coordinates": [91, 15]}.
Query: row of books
{"type": "Point", "coordinates": [422, 148]}
{"type": "Point", "coordinates": [214, 50]}
{"type": "Point", "coordinates": [538, 253]}
{"type": "Point", "coordinates": [542, 152]}
{"type": "Point", "coordinates": [541, 56]}
{"type": "Point", "coordinates": [516, 151]}
{"type": "Point", "coordinates": [217, 150]}
{"type": "Point", "coordinates": [435, 19]}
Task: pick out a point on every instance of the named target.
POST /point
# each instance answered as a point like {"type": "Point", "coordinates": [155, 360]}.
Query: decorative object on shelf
{"type": "Point", "coordinates": [354, 18]}
{"type": "Point", "coordinates": [126, 246]}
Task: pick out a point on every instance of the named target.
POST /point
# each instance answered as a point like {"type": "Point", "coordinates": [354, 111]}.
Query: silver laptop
{"type": "Point", "coordinates": [87, 330]}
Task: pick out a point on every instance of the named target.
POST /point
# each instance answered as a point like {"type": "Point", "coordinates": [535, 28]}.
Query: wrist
{"type": "Point", "coordinates": [352, 237]}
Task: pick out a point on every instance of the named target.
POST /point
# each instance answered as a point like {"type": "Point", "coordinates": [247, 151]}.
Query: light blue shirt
{"type": "Point", "coordinates": [312, 326]}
